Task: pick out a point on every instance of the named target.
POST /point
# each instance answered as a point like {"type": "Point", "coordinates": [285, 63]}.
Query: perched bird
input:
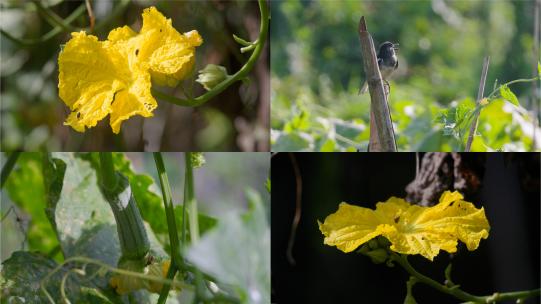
{"type": "Point", "coordinates": [387, 62]}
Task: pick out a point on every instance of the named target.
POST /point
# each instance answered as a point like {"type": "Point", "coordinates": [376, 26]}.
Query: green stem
{"type": "Point", "coordinates": [108, 175]}
{"type": "Point", "coordinates": [164, 293]}
{"type": "Point", "coordinates": [53, 19]}
{"type": "Point", "coordinates": [8, 167]}
{"type": "Point", "coordinates": [457, 292]}
{"type": "Point", "coordinates": [171, 225]}
{"type": "Point", "coordinates": [72, 17]}
{"type": "Point", "coordinates": [51, 34]}
{"type": "Point", "coordinates": [241, 74]}
{"type": "Point", "coordinates": [510, 82]}
{"type": "Point", "coordinates": [190, 199]}
{"type": "Point", "coordinates": [194, 221]}
{"type": "Point", "coordinates": [184, 203]}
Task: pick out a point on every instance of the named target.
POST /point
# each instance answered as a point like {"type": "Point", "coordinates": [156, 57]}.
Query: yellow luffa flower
{"type": "Point", "coordinates": [124, 284]}
{"type": "Point", "coordinates": [98, 78]}
{"type": "Point", "coordinates": [411, 229]}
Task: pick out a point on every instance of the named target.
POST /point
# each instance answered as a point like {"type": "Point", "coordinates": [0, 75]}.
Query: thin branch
{"type": "Point", "coordinates": [59, 29]}
{"type": "Point", "coordinates": [91, 17]}
{"type": "Point", "coordinates": [480, 93]}
{"type": "Point", "coordinates": [53, 19]}
{"type": "Point", "coordinates": [51, 34]}
{"type": "Point", "coordinates": [379, 108]}
{"type": "Point", "coordinates": [8, 167]}
{"type": "Point", "coordinates": [298, 205]}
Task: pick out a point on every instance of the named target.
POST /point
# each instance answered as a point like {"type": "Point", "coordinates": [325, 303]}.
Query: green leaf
{"type": "Point", "coordinates": [538, 69]}
{"type": "Point", "coordinates": [326, 144]}
{"type": "Point", "coordinates": [292, 142]}
{"type": "Point", "coordinates": [349, 130]}
{"type": "Point", "coordinates": [83, 218]}
{"type": "Point", "coordinates": [81, 212]}
{"type": "Point", "coordinates": [23, 272]}
{"type": "Point", "coordinates": [237, 252]}
{"type": "Point", "coordinates": [300, 122]}
{"type": "Point", "coordinates": [508, 95]}
{"type": "Point", "coordinates": [27, 176]}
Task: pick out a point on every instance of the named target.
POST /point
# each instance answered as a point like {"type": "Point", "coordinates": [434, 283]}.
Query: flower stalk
{"type": "Point", "coordinates": [455, 290]}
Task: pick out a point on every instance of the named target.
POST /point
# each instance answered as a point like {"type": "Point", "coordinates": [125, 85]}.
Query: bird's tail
{"type": "Point", "coordinates": [364, 88]}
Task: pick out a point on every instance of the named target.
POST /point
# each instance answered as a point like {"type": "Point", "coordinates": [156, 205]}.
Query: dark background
{"type": "Point", "coordinates": [507, 261]}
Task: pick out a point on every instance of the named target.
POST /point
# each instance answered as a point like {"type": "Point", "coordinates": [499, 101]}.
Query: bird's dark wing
{"type": "Point", "coordinates": [380, 62]}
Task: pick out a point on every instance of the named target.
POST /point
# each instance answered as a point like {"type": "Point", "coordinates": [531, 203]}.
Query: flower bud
{"type": "Point", "coordinates": [198, 160]}
{"type": "Point", "coordinates": [211, 76]}
{"type": "Point", "coordinates": [378, 256]}
{"type": "Point", "coordinates": [373, 243]}
{"type": "Point", "coordinates": [383, 242]}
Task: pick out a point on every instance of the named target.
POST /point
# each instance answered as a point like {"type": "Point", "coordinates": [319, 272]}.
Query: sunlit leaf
{"type": "Point", "coordinates": [508, 95]}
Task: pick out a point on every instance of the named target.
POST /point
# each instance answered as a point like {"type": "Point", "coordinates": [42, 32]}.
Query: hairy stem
{"type": "Point", "coordinates": [457, 292]}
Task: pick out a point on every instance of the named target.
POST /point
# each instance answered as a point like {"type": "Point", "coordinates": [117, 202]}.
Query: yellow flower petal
{"type": "Point", "coordinates": [344, 230]}
{"type": "Point", "coordinates": [169, 54]}
{"type": "Point", "coordinates": [88, 79]}
{"type": "Point", "coordinates": [411, 229]}
{"type": "Point", "coordinates": [97, 78]}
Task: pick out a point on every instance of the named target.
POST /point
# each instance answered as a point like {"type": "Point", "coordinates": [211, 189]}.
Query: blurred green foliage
{"type": "Point", "coordinates": [32, 114]}
{"type": "Point", "coordinates": [80, 225]}
{"type": "Point", "coordinates": [26, 189]}
{"type": "Point", "coordinates": [317, 70]}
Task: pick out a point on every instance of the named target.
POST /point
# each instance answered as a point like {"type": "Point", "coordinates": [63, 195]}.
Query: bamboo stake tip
{"type": "Point", "coordinates": [362, 25]}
